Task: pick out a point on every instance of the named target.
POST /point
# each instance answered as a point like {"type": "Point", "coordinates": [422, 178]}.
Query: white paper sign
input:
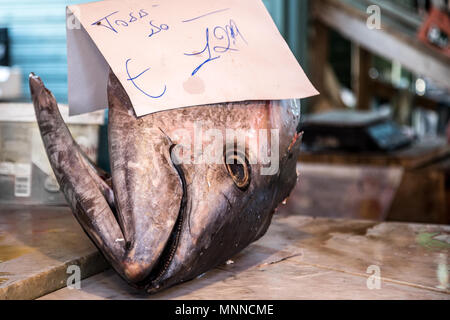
{"type": "Point", "coordinates": [176, 53]}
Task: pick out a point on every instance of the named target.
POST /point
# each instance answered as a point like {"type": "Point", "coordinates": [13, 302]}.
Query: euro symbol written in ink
{"type": "Point", "coordinates": [133, 79]}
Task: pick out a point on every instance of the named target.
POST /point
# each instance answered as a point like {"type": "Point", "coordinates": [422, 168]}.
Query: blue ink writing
{"type": "Point", "coordinates": [207, 48]}
{"type": "Point", "coordinates": [109, 26]}
{"type": "Point", "coordinates": [205, 15]}
{"type": "Point", "coordinates": [143, 13]}
{"type": "Point", "coordinates": [121, 23]}
{"type": "Point", "coordinates": [225, 39]}
{"type": "Point", "coordinates": [108, 22]}
{"type": "Point", "coordinates": [132, 79]}
{"type": "Point", "coordinates": [229, 33]}
{"type": "Point", "coordinates": [132, 18]}
{"type": "Point", "coordinates": [158, 29]}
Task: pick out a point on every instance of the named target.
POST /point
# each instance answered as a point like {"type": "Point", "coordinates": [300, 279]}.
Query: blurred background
{"type": "Point", "coordinates": [376, 139]}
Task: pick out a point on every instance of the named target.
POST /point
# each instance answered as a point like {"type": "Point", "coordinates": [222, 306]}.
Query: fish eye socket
{"type": "Point", "coordinates": [239, 169]}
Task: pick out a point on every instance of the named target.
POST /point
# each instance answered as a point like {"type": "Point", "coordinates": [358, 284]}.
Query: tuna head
{"type": "Point", "coordinates": [189, 188]}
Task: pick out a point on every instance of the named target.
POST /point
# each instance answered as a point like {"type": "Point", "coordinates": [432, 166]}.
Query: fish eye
{"type": "Point", "coordinates": [239, 169]}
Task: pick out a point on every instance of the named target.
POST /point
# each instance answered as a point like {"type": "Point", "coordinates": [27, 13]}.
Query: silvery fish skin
{"type": "Point", "coordinates": [157, 221]}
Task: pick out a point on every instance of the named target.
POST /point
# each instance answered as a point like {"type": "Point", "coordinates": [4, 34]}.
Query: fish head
{"type": "Point", "coordinates": [227, 207]}
{"type": "Point", "coordinates": [237, 162]}
{"type": "Point", "coordinates": [189, 188]}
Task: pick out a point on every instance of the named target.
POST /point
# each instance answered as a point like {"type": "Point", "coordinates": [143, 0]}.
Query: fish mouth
{"type": "Point", "coordinates": [137, 235]}
{"type": "Point", "coordinates": [152, 282]}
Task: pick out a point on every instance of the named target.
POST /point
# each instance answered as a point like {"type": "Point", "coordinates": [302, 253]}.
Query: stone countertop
{"type": "Point", "coordinates": [299, 258]}
{"type": "Point", "coordinates": [37, 245]}
{"type": "Point", "coordinates": [307, 258]}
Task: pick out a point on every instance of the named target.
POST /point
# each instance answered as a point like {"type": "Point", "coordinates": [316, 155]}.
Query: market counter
{"type": "Point", "coordinates": [299, 258]}
{"type": "Point", "coordinates": [306, 258]}
{"type": "Point", "coordinates": [37, 246]}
